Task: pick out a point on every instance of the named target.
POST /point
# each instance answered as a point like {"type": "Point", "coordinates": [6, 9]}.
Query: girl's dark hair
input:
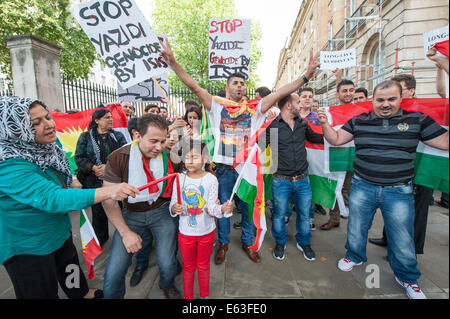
{"type": "Point", "coordinates": [188, 145]}
{"type": "Point", "coordinates": [98, 114]}
{"type": "Point", "coordinates": [195, 109]}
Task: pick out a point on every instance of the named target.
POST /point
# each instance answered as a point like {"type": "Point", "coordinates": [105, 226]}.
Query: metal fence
{"type": "Point", "coordinates": [83, 95]}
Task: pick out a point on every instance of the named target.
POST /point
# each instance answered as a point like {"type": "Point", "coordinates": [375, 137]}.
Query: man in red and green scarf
{"type": "Point", "coordinates": [140, 163]}
{"type": "Point", "coordinates": [234, 121]}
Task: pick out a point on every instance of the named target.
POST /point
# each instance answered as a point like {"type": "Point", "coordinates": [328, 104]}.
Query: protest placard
{"type": "Point", "coordinates": [229, 47]}
{"type": "Point", "coordinates": [332, 60]}
{"type": "Point", "coordinates": [432, 37]}
{"type": "Point", "coordinates": [123, 38]}
{"type": "Point", "coordinates": [145, 91]}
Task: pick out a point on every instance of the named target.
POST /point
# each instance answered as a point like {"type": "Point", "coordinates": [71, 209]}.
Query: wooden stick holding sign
{"type": "Point", "coordinates": [165, 97]}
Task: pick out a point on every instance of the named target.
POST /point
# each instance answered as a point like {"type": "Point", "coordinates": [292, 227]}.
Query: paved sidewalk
{"type": "Point", "coordinates": [295, 277]}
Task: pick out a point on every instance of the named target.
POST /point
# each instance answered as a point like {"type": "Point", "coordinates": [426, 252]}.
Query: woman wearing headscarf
{"type": "Point", "coordinates": [93, 149]}
{"type": "Point", "coordinates": [36, 245]}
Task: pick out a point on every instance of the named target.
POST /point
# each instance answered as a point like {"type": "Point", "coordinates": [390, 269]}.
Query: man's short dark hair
{"type": "Point", "coordinates": [235, 75]}
{"type": "Point", "coordinates": [362, 90]}
{"type": "Point", "coordinates": [307, 89]}
{"type": "Point", "coordinates": [263, 91]}
{"type": "Point", "coordinates": [282, 102]}
{"type": "Point", "coordinates": [387, 84]}
{"type": "Point", "coordinates": [132, 125]}
{"type": "Point", "coordinates": [410, 81]}
{"type": "Point", "coordinates": [151, 106]}
{"type": "Point", "coordinates": [151, 120]}
{"type": "Point", "coordinates": [344, 82]}
{"type": "Point", "coordinates": [162, 108]}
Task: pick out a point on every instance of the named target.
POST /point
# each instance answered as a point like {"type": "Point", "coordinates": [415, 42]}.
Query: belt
{"type": "Point", "coordinates": [291, 178]}
{"type": "Point", "coordinates": [227, 167]}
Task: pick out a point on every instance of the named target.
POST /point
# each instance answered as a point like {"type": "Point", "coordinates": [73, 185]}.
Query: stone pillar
{"type": "Point", "coordinates": [36, 70]}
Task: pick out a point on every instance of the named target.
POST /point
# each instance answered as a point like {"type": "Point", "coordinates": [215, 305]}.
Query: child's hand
{"type": "Point", "coordinates": [177, 209]}
{"type": "Point", "coordinates": [227, 208]}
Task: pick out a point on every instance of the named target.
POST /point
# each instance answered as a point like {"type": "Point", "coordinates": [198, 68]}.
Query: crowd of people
{"type": "Point", "coordinates": [37, 189]}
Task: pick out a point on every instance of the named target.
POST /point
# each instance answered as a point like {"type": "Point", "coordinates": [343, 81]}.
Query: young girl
{"type": "Point", "coordinates": [199, 191]}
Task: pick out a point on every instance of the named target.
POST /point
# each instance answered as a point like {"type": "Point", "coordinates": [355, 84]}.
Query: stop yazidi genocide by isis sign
{"type": "Point", "coordinates": [123, 37]}
{"type": "Point", "coordinates": [331, 60]}
{"type": "Point", "coordinates": [146, 91]}
{"type": "Point", "coordinates": [229, 48]}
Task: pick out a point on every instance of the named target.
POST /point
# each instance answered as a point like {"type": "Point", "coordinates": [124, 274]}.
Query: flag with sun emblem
{"type": "Point", "coordinates": [70, 126]}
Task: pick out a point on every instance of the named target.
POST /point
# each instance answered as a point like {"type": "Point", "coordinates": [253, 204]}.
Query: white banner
{"type": "Point", "coordinates": [432, 37]}
{"type": "Point", "coordinates": [229, 48]}
{"type": "Point", "coordinates": [123, 38]}
{"type": "Point", "coordinates": [146, 91]}
{"type": "Point", "coordinates": [332, 60]}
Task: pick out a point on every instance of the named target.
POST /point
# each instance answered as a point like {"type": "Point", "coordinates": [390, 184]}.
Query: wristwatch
{"type": "Point", "coordinates": [305, 80]}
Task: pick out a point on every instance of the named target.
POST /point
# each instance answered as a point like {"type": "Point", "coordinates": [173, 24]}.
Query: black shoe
{"type": "Point", "coordinates": [137, 276]}
{"type": "Point", "coordinates": [307, 251]}
{"type": "Point", "coordinates": [278, 252]}
{"type": "Point", "coordinates": [237, 225]}
{"type": "Point", "coordinates": [172, 293]}
{"type": "Point", "coordinates": [378, 241]}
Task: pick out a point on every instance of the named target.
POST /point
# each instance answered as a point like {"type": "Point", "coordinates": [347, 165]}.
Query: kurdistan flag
{"type": "Point", "coordinates": [70, 126]}
{"type": "Point", "coordinates": [250, 188]}
{"type": "Point", "coordinates": [431, 165]}
{"type": "Point", "coordinates": [325, 186]}
{"type": "Point", "coordinates": [89, 243]}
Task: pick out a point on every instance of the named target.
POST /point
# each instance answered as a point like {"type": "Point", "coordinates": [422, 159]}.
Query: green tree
{"type": "Point", "coordinates": [185, 22]}
{"type": "Point", "coordinates": [50, 20]}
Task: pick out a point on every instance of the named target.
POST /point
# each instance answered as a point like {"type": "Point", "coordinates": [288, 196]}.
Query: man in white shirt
{"type": "Point", "coordinates": [234, 122]}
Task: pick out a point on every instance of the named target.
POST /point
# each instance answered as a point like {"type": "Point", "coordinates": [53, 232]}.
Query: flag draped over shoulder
{"type": "Point", "coordinates": [431, 165]}
{"type": "Point", "coordinates": [70, 126]}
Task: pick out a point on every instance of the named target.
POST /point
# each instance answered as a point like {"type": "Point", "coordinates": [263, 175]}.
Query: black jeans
{"type": "Point", "coordinates": [37, 276]}
{"type": "Point", "coordinates": [100, 223]}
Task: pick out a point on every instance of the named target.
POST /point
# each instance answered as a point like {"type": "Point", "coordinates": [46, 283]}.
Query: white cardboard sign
{"type": "Point", "coordinates": [332, 60]}
{"type": "Point", "coordinates": [229, 47]}
{"type": "Point", "coordinates": [123, 37]}
{"type": "Point", "coordinates": [146, 91]}
{"type": "Point", "coordinates": [432, 37]}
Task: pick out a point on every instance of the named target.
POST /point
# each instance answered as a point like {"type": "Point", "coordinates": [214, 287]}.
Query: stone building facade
{"type": "Point", "coordinates": [330, 25]}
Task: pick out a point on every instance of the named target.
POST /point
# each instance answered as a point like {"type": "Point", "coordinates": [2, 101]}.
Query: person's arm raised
{"type": "Point", "coordinates": [203, 95]}
{"type": "Point", "coordinates": [289, 88]}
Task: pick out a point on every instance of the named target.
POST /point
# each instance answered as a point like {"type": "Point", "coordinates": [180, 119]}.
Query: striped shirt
{"type": "Point", "coordinates": [385, 149]}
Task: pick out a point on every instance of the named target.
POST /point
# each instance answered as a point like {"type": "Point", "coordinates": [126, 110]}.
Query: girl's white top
{"type": "Point", "coordinates": [198, 197]}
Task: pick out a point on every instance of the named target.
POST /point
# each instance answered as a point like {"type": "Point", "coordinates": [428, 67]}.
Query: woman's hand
{"type": "Point", "coordinates": [75, 183]}
{"type": "Point", "coordinates": [121, 191]}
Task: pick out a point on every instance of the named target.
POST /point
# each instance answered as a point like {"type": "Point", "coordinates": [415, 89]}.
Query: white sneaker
{"type": "Point", "coordinates": [412, 290]}
{"type": "Point", "coordinates": [346, 264]}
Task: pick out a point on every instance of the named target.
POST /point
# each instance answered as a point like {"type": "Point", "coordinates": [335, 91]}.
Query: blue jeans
{"type": "Point", "coordinates": [301, 195]}
{"type": "Point", "coordinates": [143, 255]}
{"type": "Point", "coordinates": [227, 179]}
{"type": "Point", "coordinates": [397, 206]}
{"type": "Point", "coordinates": [165, 231]}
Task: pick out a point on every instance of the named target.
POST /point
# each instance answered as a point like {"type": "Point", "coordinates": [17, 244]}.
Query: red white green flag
{"type": "Point", "coordinates": [431, 165]}
{"type": "Point", "coordinates": [70, 126]}
{"type": "Point", "coordinates": [89, 243]}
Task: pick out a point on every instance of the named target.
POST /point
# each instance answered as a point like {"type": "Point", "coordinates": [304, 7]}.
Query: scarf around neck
{"type": "Point", "coordinates": [17, 137]}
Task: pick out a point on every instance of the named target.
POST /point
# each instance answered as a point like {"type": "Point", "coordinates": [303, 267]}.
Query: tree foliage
{"type": "Point", "coordinates": [186, 22]}
{"type": "Point", "coordinates": [52, 21]}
